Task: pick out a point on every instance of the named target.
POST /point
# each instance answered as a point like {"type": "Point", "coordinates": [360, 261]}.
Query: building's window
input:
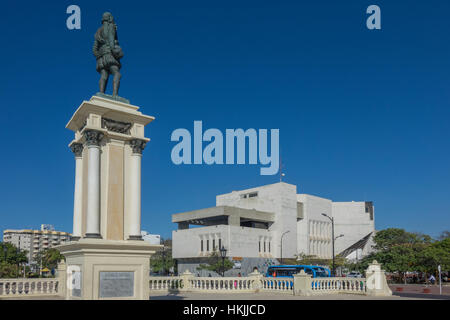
{"type": "Point", "coordinates": [269, 246]}
{"type": "Point", "coordinates": [207, 245]}
{"type": "Point", "coordinates": [220, 243]}
{"type": "Point", "coordinates": [259, 246]}
{"type": "Point", "coordinates": [214, 244]}
{"type": "Point", "coordinates": [249, 195]}
{"type": "Point", "coordinates": [201, 245]}
{"type": "Point", "coordinates": [264, 246]}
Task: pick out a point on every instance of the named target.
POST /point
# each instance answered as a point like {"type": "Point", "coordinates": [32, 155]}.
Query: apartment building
{"type": "Point", "coordinates": [34, 241]}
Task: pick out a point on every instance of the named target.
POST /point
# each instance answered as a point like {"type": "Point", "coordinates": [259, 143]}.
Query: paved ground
{"type": "Point", "coordinates": [400, 292]}
{"type": "Point", "coordinates": [274, 296]}
{"type": "Point", "coordinates": [419, 288]}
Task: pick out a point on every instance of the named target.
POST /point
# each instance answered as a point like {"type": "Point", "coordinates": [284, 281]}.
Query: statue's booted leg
{"type": "Point", "coordinates": [116, 83]}
{"type": "Point", "coordinates": [103, 80]}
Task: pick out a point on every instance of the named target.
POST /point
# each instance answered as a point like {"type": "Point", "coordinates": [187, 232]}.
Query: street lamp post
{"type": "Point", "coordinates": [223, 254]}
{"type": "Point", "coordinates": [281, 249]}
{"type": "Point", "coordinates": [18, 262]}
{"type": "Point", "coordinates": [332, 240]}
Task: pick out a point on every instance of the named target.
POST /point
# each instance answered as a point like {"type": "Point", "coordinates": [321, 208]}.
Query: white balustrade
{"type": "Point", "coordinates": [278, 285]}
{"type": "Point", "coordinates": [332, 285]}
{"type": "Point", "coordinates": [338, 285]}
{"type": "Point", "coordinates": [225, 284]}
{"type": "Point", "coordinates": [29, 287]}
{"type": "Point", "coordinates": [165, 283]}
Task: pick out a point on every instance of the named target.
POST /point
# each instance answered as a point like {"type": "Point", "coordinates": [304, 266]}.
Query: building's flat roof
{"type": "Point", "coordinates": [36, 231]}
{"type": "Point", "coordinates": [251, 214]}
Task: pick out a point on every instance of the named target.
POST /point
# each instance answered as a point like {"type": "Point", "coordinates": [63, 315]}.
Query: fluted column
{"type": "Point", "coordinates": [135, 189]}
{"type": "Point", "coordinates": [77, 149]}
{"type": "Point", "coordinates": [93, 139]}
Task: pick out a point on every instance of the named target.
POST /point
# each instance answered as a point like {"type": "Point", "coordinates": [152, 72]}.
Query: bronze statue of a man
{"type": "Point", "coordinates": [108, 53]}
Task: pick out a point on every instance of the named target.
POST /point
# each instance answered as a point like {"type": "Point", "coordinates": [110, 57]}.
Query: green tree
{"type": "Point", "coordinates": [49, 257]}
{"type": "Point", "coordinates": [398, 251]}
{"type": "Point", "coordinates": [216, 264]}
{"type": "Point", "coordinates": [162, 261]}
{"type": "Point", "coordinates": [438, 253]}
{"type": "Point", "coordinates": [393, 237]}
{"type": "Point", "coordinates": [10, 260]}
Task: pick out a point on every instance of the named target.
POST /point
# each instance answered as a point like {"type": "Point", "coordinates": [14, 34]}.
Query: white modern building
{"type": "Point", "coordinates": [257, 226]}
{"type": "Point", "coordinates": [34, 241]}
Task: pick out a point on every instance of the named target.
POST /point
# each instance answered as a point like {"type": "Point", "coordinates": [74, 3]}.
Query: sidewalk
{"type": "Point", "coordinates": [275, 296]}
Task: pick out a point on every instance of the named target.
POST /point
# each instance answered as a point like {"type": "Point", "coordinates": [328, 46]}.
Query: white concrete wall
{"type": "Point", "coordinates": [279, 198]}
{"type": "Point", "coordinates": [187, 242]}
{"type": "Point", "coordinates": [314, 230]}
{"type": "Point", "coordinates": [310, 235]}
{"type": "Point", "coordinates": [352, 221]}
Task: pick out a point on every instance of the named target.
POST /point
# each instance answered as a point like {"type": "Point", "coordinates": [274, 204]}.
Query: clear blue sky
{"type": "Point", "coordinates": [363, 115]}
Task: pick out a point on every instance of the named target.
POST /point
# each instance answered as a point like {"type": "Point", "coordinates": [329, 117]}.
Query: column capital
{"type": "Point", "coordinates": [93, 137]}
{"type": "Point", "coordinates": [138, 145]}
{"type": "Point", "coordinates": [77, 149]}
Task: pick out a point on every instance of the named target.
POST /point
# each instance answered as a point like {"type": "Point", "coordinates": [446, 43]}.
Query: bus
{"type": "Point", "coordinates": [288, 271]}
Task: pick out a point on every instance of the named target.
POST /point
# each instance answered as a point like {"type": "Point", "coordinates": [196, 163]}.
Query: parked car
{"type": "Point", "coordinates": [355, 274]}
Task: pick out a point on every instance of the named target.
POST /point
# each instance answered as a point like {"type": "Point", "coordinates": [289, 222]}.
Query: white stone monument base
{"type": "Point", "coordinates": [376, 282]}
{"type": "Point", "coordinates": [100, 269]}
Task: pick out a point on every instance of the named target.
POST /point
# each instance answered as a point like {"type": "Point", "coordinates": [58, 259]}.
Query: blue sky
{"type": "Point", "coordinates": [363, 115]}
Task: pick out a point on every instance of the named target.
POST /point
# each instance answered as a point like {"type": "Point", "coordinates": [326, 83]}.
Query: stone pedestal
{"type": "Point", "coordinates": [256, 280]}
{"type": "Point", "coordinates": [302, 284]}
{"type": "Point", "coordinates": [376, 283]}
{"type": "Point", "coordinates": [107, 270]}
{"type": "Point", "coordinates": [108, 254]}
